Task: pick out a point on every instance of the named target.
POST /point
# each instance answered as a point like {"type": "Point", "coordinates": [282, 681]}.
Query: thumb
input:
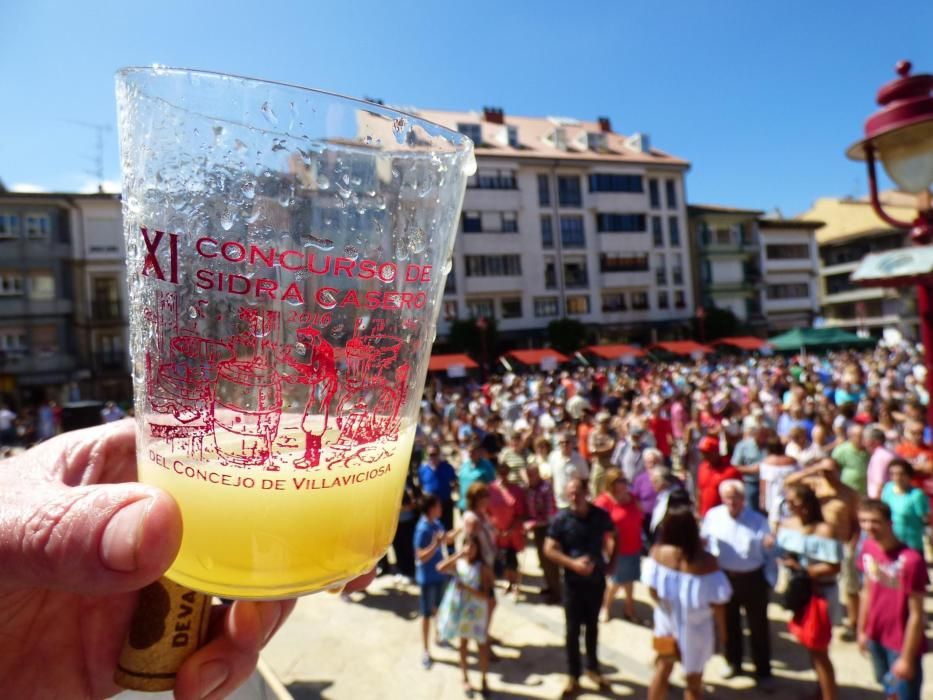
{"type": "Point", "coordinates": [88, 539]}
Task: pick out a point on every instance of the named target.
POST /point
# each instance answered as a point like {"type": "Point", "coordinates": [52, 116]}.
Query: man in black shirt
{"type": "Point", "coordinates": [581, 539]}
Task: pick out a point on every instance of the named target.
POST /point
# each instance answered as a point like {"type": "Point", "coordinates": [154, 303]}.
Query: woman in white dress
{"type": "Point", "coordinates": [690, 593]}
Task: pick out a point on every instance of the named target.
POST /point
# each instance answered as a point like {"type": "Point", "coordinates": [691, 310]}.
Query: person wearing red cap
{"type": "Point", "coordinates": [714, 469]}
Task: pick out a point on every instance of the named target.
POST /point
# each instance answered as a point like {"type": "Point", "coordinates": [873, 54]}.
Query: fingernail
{"type": "Point", "coordinates": [269, 614]}
{"type": "Point", "coordinates": [119, 545]}
{"type": "Point", "coordinates": [211, 676]}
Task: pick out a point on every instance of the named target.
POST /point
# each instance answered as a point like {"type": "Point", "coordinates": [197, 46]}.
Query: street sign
{"type": "Point", "coordinates": [895, 268]}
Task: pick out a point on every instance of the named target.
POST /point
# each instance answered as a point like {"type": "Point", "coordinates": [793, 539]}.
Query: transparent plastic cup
{"type": "Point", "coordinates": [286, 256]}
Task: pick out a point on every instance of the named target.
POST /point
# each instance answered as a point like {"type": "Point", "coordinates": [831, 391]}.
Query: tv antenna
{"type": "Point", "coordinates": [98, 157]}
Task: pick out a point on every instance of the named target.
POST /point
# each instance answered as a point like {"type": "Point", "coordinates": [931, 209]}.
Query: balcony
{"type": "Point", "coordinates": [21, 306]}
{"type": "Point", "coordinates": [110, 360]}
{"type": "Point", "coordinates": [25, 362]}
{"type": "Point", "coordinates": [106, 310]}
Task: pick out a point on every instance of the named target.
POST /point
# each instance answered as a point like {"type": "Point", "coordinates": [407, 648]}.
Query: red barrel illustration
{"type": "Point", "coordinates": [247, 409]}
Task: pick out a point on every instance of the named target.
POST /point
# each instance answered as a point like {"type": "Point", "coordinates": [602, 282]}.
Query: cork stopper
{"type": "Point", "coordinates": [170, 624]}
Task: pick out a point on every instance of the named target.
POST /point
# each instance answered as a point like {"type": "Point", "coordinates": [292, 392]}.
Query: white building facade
{"type": "Point", "coordinates": [568, 219]}
{"type": "Point", "coordinates": [790, 267]}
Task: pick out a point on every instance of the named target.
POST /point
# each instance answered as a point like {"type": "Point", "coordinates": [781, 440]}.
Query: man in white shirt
{"type": "Point", "coordinates": [566, 463]}
{"type": "Point", "coordinates": [739, 537]}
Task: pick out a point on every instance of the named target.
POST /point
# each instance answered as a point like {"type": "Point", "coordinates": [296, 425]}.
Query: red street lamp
{"type": "Point", "coordinates": [901, 135]}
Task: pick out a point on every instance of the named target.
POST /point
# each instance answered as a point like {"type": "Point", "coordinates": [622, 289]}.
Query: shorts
{"type": "Point", "coordinates": [430, 597]}
{"type": "Point", "coordinates": [627, 568]}
{"type": "Point", "coordinates": [506, 561]}
{"type": "Point", "coordinates": [849, 582]}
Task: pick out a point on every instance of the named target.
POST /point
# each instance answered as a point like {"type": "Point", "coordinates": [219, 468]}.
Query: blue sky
{"type": "Point", "coordinates": [762, 97]}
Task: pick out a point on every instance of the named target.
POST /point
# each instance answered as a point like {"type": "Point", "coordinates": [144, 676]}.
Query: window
{"type": "Point", "coordinates": [623, 262]}
{"type": "Point", "coordinates": [544, 190]}
{"type": "Point", "coordinates": [550, 274]}
{"type": "Point", "coordinates": [654, 194]}
{"type": "Point", "coordinates": [494, 180]}
{"type": "Point", "coordinates": [38, 225]}
{"type": "Point", "coordinates": [450, 286]}
{"type": "Point", "coordinates": [512, 132]}
{"type": "Point", "coordinates": [595, 141]}
{"type": "Point", "coordinates": [575, 275]}
{"type": "Point", "coordinates": [657, 232]}
{"type": "Point", "coordinates": [110, 351]}
{"type": "Point", "coordinates": [660, 268]}
{"type": "Point", "coordinates": [11, 284]}
{"type": "Point", "coordinates": [621, 223]}
{"type": "Point", "coordinates": [610, 182]}
{"type": "Point", "coordinates": [568, 191]}
{"type": "Point", "coordinates": [512, 307]}
{"type": "Point", "coordinates": [497, 222]}
{"type": "Point", "coordinates": [571, 232]}
{"type": "Point", "coordinates": [677, 269]}
{"type": "Point", "coordinates": [798, 290]}
{"type": "Point", "coordinates": [706, 272]}
{"type": "Point", "coordinates": [45, 340]}
{"type": "Point", "coordinates": [546, 306]}
{"type": "Point", "coordinates": [680, 300]}
{"type": "Point", "coordinates": [670, 191]}
{"type": "Point", "coordinates": [578, 305]}
{"type": "Point", "coordinates": [13, 340]}
{"type": "Point", "coordinates": [639, 301]}
{"type": "Point", "coordinates": [673, 225]}
{"type": "Point", "coordinates": [450, 310]}
{"type": "Point", "coordinates": [9, 225]}
{"type": "Point", "coordinates": [838, 283]}
{"type": "Point", "coordinates": [474, 132]}
{"type": "Point", "coordinates": [787, 251]}
{"type": "Point", "coordinates": [480, 308]}
{"type": "Point", "coordinates": [509, 222]}
{"type": "Point", "coordinates": [547, 232]}
{"type": "Point", "coordinates": [472, 222]}
{"type": "Point", "coordinates": [723, 236]}
{"type": "Point", "coordinates": [662, 299]}
{"type": "Point", "coordinates": [41, 285]}
{"type": "Point", "coordinates": [493, 265]}
{"type": "Point", "coordinates": [614, 301]}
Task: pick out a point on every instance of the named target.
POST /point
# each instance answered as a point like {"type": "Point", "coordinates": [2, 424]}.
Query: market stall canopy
{"type": "Point", "coordinates": [441, 363]}
{"type": "Point", "coordinates": [547, 358]}
{"type": "Point", "coordinates": [895, 268]}
{"type": "Point", "coordinates": [614, 352]}
{"type": "Point", "coordinates": [682, 347]}
{"type": "Point", "coordinates": [743, 342]}
{"type": "Point", "coordinates": [819, 338]}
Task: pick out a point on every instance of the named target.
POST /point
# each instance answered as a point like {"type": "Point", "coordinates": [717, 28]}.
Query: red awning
{"type": "Point", "coordinates": [682, 347]}
{"type": "Point", "coordinates": [535, 357]}
{"type": "Point", "coordinates": [743, 342]}
{"type": "Point", "coordinates": [440, 363]}
{"type": "Point", "coordinates": [614, 352]}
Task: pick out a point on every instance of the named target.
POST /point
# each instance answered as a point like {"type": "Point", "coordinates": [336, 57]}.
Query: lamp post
{"type": "Point", "coordinates": [900, 134]}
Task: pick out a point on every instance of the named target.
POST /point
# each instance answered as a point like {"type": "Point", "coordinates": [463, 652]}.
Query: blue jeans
{"type": "Point", "coordinates": [883, 659]}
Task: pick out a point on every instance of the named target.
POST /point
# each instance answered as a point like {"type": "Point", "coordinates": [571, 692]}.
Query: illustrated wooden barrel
{"type": "Point", "coordinates": [247, 409]}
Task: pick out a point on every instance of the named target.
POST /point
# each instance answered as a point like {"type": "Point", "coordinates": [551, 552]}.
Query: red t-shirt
{"type": "Point", "coordinates": [627, 518]}
{"type": "Point", "coordinates": [661, 429]}
{"type": "Point", "coordinates": [708, 480]}
{"type": "Point", "coordinates": [893, 576]}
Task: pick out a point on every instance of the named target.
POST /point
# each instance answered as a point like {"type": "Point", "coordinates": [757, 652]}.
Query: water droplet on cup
{"type": "Point", "coordinates": [227, 219]}
{"type": "Point", "coordinates": [300, 349]}
{"type": "Point", "coordinates": [380, 202]}
{"type": "Point", "coordinates": [192, 312]}
{"type": "Point", "coordinates": [249, 189]}
{"type": "Point", "coordinates": [267, 112]}
{"type": "Point", "coordinates": [417, 240]}
{"type": "Point", "coordinates": [446, 267]}
{"type": "Point", "coordinates": [351, 251]}
{"type": "Point", "coordinates": [323, 182]}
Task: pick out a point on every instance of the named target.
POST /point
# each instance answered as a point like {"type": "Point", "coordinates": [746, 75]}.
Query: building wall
{"type": "Point", "coordinates": [789, 258]}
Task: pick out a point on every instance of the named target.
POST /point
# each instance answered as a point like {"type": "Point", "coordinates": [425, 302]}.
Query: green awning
{"type": "Point", "coordinates": [816, 338]}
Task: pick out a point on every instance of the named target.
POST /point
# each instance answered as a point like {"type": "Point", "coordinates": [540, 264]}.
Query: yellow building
{"type": "Point", "coordinates": [850, 231]}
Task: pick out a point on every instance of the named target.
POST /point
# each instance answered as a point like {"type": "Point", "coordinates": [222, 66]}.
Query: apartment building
{"type": "Point", "coordinates": [789, 262]}
{"type": "Point", "coordinates": [37, 346]}
{"type": "Point", "coordinates": [566, 218]}
{"type": "Point", "coordinates": [850, 230]}
{"type": "Point", "coordinates": [727, 259]}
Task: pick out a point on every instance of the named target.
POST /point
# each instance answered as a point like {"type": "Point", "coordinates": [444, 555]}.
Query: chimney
{"type": "Point", "coordinates": [604, 125]}
{"type": "Point", "coordinates": [493, 115]}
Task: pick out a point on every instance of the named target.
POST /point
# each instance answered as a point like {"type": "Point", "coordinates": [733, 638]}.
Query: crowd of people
{"type": "Point", "coordinates": [712, 483]}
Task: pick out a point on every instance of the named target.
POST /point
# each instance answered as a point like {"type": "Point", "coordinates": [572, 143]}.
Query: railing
{"type": "Point", "coordinates": [110, 360]}
{"type": "Point", "coordinates": [106, 310]}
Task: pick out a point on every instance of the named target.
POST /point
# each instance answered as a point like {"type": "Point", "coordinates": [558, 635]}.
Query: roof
{"type": "Point", "coordinates": [535, 357]}
{"type": "Point", "coordinates": [613, 352]}
{"type": "Point", "coordinates": [743, 342]}
{"type": "Point", "coordinates": [440, 363]}
{"type": "Point", "coordinates": [682, 347]}
{"type": "Point", "coordinates": [719, 209]}
{"type": "Point", "coordinates": [790, 223]}
{"type": "Point", "coordinates": [845, 219]}
{"type": "Point", "coordinates": [533, 139]}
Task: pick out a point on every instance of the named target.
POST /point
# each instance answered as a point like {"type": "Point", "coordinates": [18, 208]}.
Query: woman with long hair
{"type": "Point", "coordinates": [810, 551]}
{"type": "Point", "coordinates": [690, 593]}
{"type": "Point", "coordinates": [626, 515]}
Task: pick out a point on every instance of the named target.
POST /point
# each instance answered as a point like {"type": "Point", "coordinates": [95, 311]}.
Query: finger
{"type": "Point", "coordinates": [100, 539]}
{"type": "Point", "coordinates": [102, 454]}
{"type": "Point", "coordinates": [227, 661]}
{"type": "Point", "coordinates": [360, 582]}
